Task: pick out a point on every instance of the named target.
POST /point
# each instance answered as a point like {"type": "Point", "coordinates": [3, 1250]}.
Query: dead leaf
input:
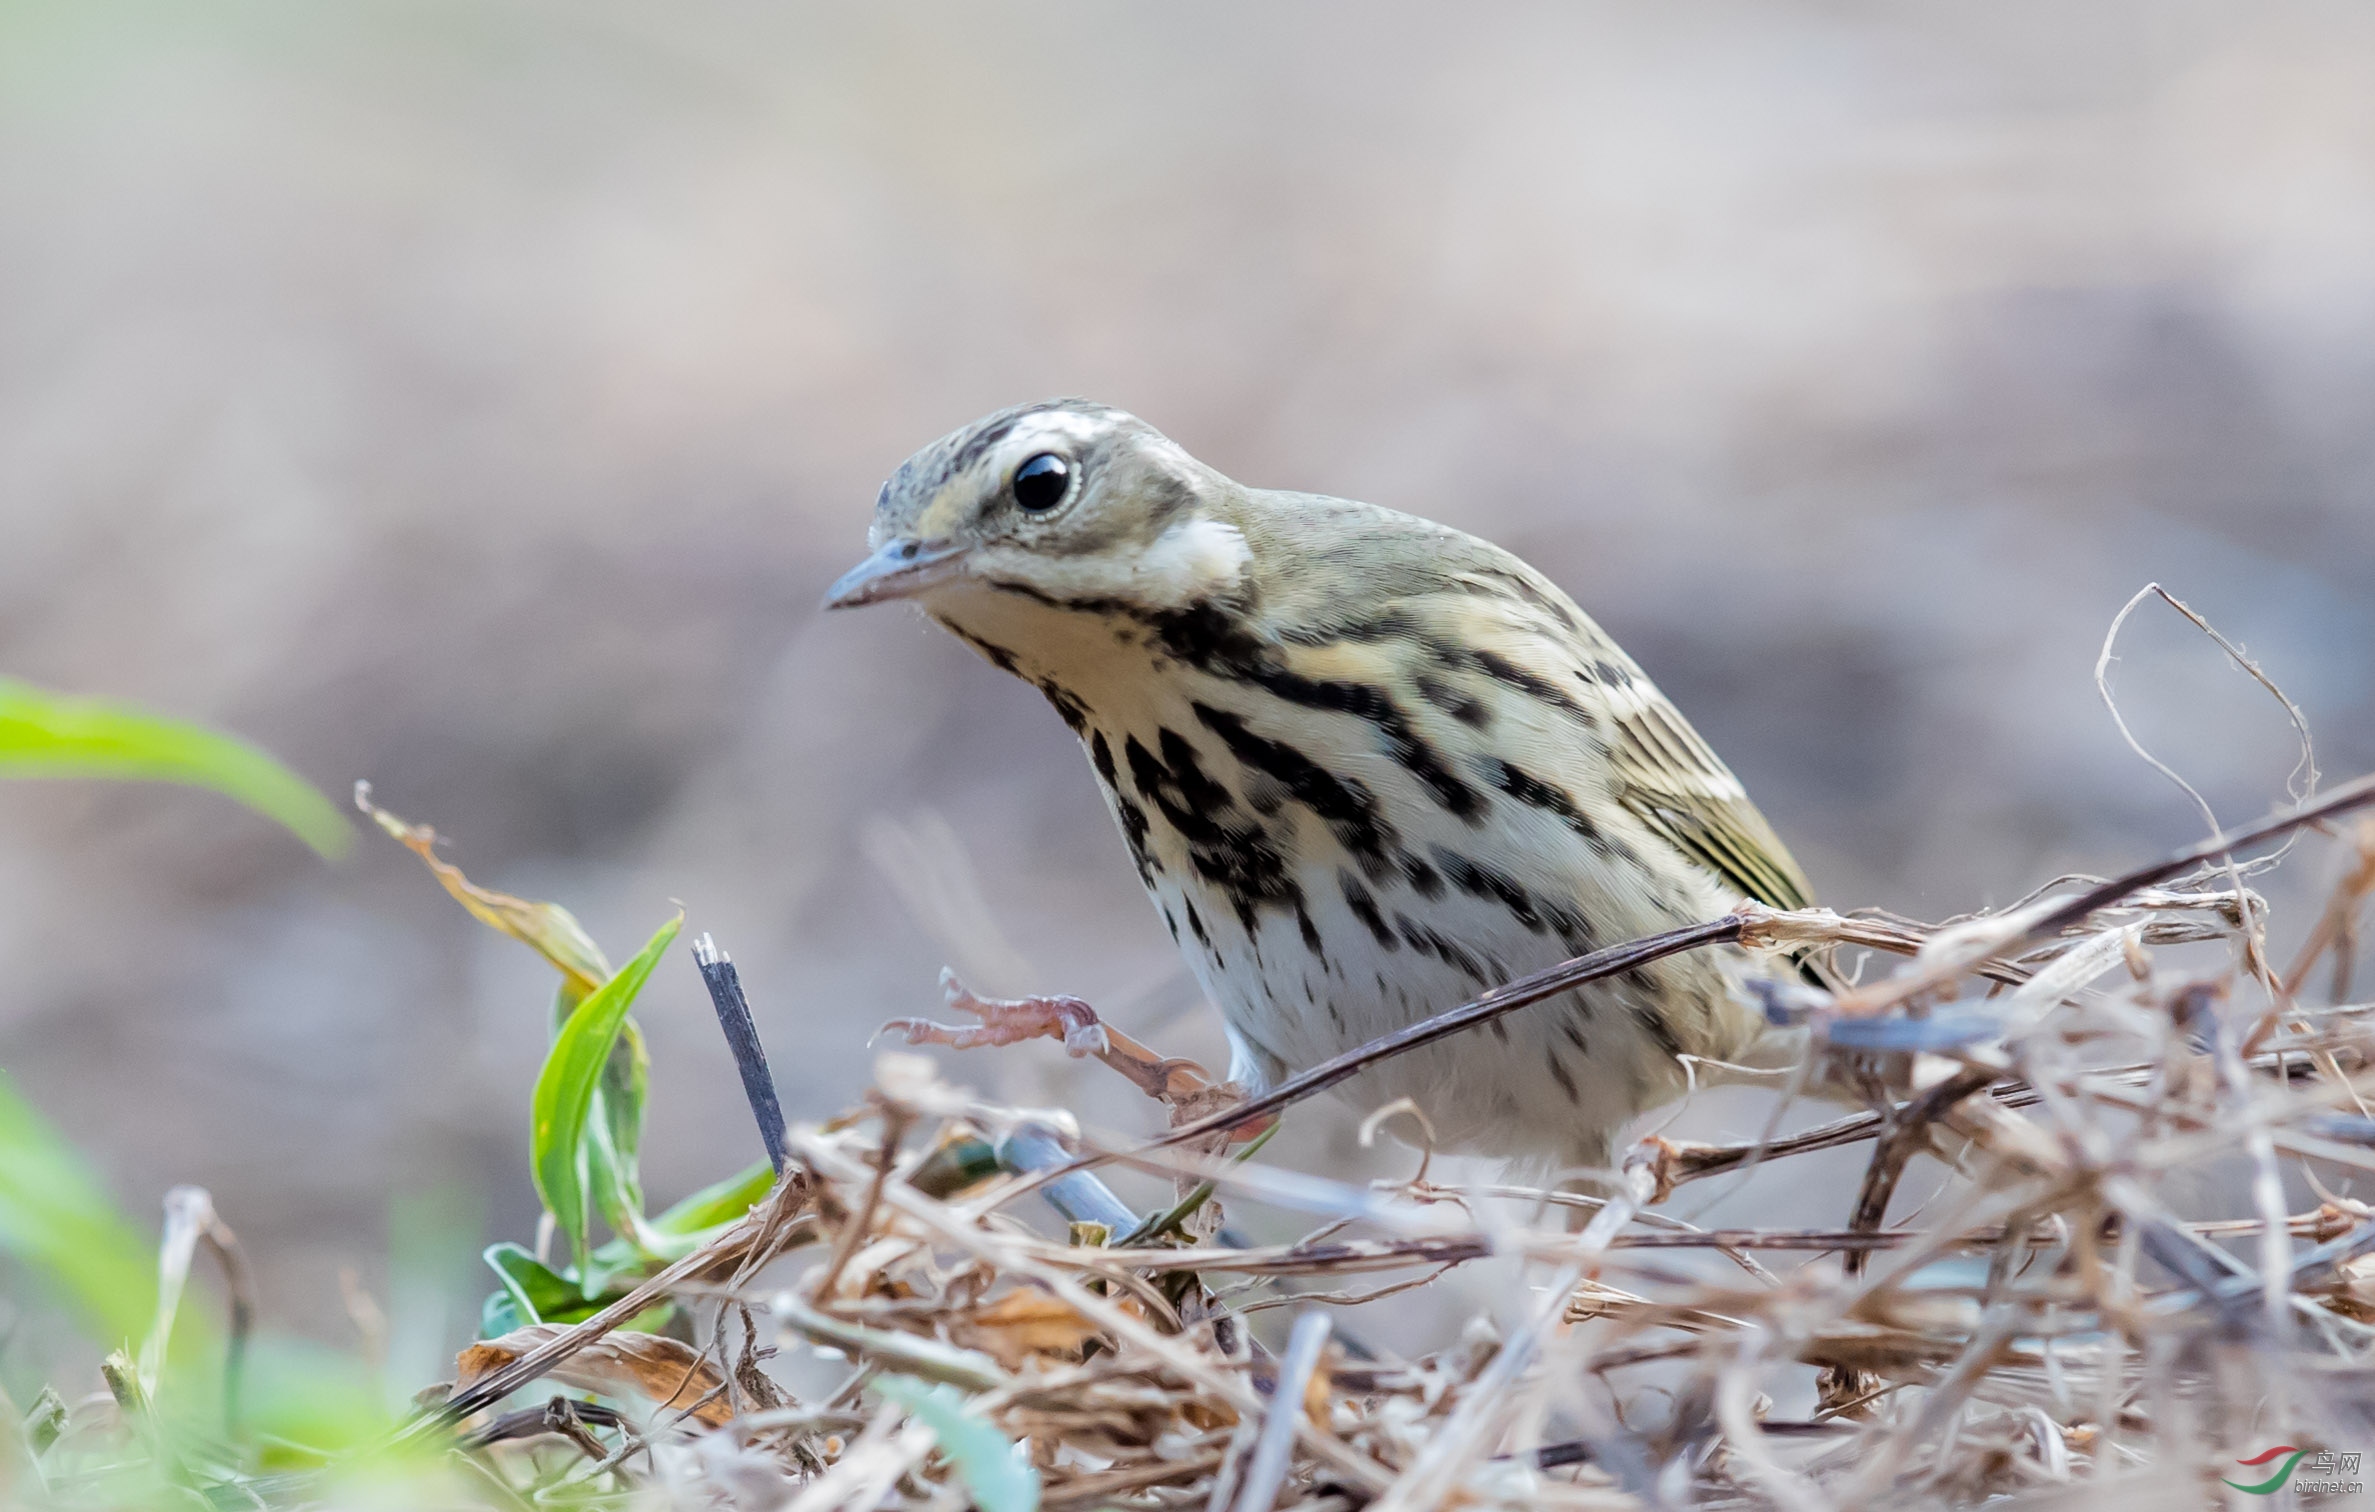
{"type": "Point", "coordinates": [1024, 1323]}
{"type": "Point", "coordinates": [648, 1365]}
{"type": "Point", "coordinates": [546, 928]}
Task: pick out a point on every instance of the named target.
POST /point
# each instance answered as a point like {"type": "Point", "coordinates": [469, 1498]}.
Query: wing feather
{"type": "Point", "coordinates": [1669, 778]}
{"type": "Point", "coordinates": [1470, 593]}
{"type": "Point", "coordinates": [1660, 770]}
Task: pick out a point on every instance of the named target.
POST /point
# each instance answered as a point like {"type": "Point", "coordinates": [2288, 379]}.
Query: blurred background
{"type": "Point", "coordinates": [477, 397]}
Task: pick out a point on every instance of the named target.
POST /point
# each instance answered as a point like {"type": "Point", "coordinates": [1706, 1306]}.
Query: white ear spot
{"type": "Point", "coordinates": [1192, 561]}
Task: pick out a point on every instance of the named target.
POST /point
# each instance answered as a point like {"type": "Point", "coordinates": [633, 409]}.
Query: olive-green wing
{"type": "Point", "coordinates": [1470, 594]}
{"type": "Point", "coordinates": [1660, 770]}
{"type": "Point", "coordinates": [1667, 776]}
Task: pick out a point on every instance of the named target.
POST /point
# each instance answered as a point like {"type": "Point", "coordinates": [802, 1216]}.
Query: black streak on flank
{"type": "Point", "coordinates": [1206, 637]}
{"type": "Point", "coordinates": [1402, 743]}
{"type": "Point", "coordinates": [1504, 671]}
{"type": "Point", "coordinates": [1421, 876]}
{"type": "Point", "coordinates": [1074, 713]}
{"type": "Point", "coordinates": [1558, 1073]}
{"type": "Point", "coordinates": [1344, 805]}
{"type": "Point", "coordinates": [1467, 708]}
{"type": "Point", "coordinates": [1481, 881]}
{"type": "Point", "coordinates": [1310, 931]}
{"type": "Point", "coordinates": [1241, 861]}
{"type": "Point", "coordinates": [999, 656]}
{"type": "Point", "coordinates": [1364, 908]}
{"type": "Point", "coordinates": [1134, 831]}
{"type": "Point", "coordinates": [1653, 1024]}
{"type": "Point", "coordinates": [1541, 915]}
{"type": "Point", "coordinates": [1533, 792]}
{"type": "Point", "coordinates": [1427, 942]}
{"type": "Point", "coordinates": [1131, 816]}
{"type": "Point", "coordinates": [1572, 1032]}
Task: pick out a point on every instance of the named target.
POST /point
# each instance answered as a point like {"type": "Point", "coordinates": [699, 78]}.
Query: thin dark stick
{"type": "Point", "coordinates": [2348, 796]}
{"type": "Point", "coordinates": [240, 1282]}
{"type": "Point", "coordinates": [531, 1421]}
{"type": "Point", "coordinates": [1508, 998]}
{"type": "Point", "coordinates": [1906, 1127]}
{"type": "Point", "coordinates": [742, 1037]}
{"type": "Point", "coordinates": [1352, 1257]}
{"type": "Point", "coordinates": [1619, 958]}
{"type": "Point", "coordinates": [1524, 992]}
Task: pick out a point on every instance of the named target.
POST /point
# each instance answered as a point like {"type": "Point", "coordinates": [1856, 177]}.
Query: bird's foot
{"type": "Point", "coordinates": [1181, 1085]}
{"type": "Point", "coordinates": [1007, 1021]}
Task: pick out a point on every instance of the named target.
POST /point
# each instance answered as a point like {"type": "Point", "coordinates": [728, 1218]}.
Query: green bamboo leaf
{"type": "Point", "coordinates": [537, 1292]}
{"type": "Point", "coordinates": [614, 1150]}
{"type": "Point", "coordinates": [533, 1292]}
{"type": "Point", "coordinates": [718, 1204]}
{"type": "Point", "coordinates": [614, 1124]}
{"type": "Point", "coordinates": [993, 1468]}
{"type": "Point", "coordinates": [564, 1098]}
{"type": "Point", "coordinates": [45, 734]}
{"type": "Point", "coordinates": [57, 1221]}
{"type": "Point", "coordinates": [499, 1314]}
{"type": "Point", "coordinates": [687, 1226]}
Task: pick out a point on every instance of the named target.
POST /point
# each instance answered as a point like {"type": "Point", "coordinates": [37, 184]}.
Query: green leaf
{"type": "Point", "coordinates": [306, 1401]}
{"type": "Point", "coordinates": [613, 1153]}
{"type": "Point", "coordinates": [564, 1096]}
{"type": "Point", "coordinates": [534, 1292]}
{"type": "Point", "coordinates": [955, 1165]}
{"type": "Point", "coordinates": [609, 1181]}
{"type": "Point", "coordinates": [718, 1204]}
{"type": "Point", "coordinates": [499, 1314]}
{"type": "Point", "coordinates": [995, 1472]}
{"type": "Point", "coordinates": [57, 1221]}
{"type": "Point", "coordinates": [46, 734]}
{"type": "Point", "coordinates": [614, 1126]}
{"type": "Point", "coordinates": [687, 1226]}
{"type": "Point", "coordinates": [538, 1293]}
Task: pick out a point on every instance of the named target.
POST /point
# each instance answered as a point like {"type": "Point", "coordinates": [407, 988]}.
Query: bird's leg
{"type": "Point", "coordinates": [1182, 1086]}
{"type": "Point", "coordinates": [1007, 1021]}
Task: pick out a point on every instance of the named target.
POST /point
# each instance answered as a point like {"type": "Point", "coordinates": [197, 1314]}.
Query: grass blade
{"type": "Point", "coordinates": [45, 734]}
{"type": "Point", "coordinates": [55, 1219]}
{"type": "Point", "coordinates": [992, 1467]}
{"type": "Point", "coordinates": [719, 1203]}
{"type": "Point", "coordinates": [564, 1096]}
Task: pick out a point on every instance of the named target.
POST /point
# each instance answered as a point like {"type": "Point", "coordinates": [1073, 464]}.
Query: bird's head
{"type": "Point", "coordinates": [1067, 504]}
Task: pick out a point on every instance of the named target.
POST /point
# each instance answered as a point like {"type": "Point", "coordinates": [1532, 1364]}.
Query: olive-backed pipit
{"type": "Point", "coordinates": [1367, 767]}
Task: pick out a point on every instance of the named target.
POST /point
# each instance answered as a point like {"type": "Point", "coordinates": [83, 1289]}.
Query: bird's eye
{"type": "Point", "coordinates": [1040, 483]}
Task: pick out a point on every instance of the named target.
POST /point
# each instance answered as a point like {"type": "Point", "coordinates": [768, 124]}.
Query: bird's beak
{"type": "Point", "coordinates": [901, 569]}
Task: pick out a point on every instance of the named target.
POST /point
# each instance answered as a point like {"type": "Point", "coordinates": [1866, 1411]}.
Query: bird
{"type": "Point", "coordinates": [1366, 766]}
